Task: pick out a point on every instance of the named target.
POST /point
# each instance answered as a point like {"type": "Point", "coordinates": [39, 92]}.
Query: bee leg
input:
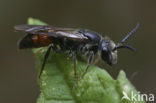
{"type": "Point", "coordinates": [56, 49]}
{"type": "Point", "coordinates": [74, 61]}
{"type": "Point", "coordinates": [45, 59]}
{"type": "Point", "coordinates": [70, 54]}
{"type": "Point", "coordinates": [90, 61]}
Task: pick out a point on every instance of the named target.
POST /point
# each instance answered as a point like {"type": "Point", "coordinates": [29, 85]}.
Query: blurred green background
{"type": "Point", "coordinates": [114, 18]}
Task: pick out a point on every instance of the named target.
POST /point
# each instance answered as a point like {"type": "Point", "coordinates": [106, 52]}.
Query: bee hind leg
{"type": "Point", "coordinates": [74, 61]}
{"type": "Point", "coordinates": [90, 61]}
{"type": "Point", "coordinates": [51, 47]}
{"type": "Point", "coordinates": [45, 59]}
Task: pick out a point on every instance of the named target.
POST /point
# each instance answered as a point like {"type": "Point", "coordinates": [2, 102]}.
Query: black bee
{"type": "Point", "coordinates": [74, 41]}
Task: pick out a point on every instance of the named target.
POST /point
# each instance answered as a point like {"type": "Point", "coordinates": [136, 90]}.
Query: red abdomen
{"type": "Point", "coordinates": [34, 41]}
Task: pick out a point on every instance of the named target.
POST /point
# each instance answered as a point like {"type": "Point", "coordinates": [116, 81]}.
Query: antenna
{"type": "Point", "coordinates": [130, 33]}
{"type": "Point", "coordinates": [125, 46]}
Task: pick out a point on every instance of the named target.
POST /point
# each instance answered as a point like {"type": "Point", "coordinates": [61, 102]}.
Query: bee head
{"type": "Point", "coordinates": [108, 49]}
{"type": "Point", "coordinates": [107, 52]}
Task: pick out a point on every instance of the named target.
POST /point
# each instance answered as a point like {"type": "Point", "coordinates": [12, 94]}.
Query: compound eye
{"type": "Point", "coordinates": [106, 55]}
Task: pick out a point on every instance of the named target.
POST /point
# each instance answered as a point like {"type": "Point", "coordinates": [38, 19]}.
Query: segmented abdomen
{"type": "Point", "coordinates": [34, 41]}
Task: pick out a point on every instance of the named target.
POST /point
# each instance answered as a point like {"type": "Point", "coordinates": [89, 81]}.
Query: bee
{"type": "Point", "coordinates": [74, 41]}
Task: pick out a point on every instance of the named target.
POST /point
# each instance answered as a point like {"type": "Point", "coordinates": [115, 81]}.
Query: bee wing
{"type": "Point", "coordinates": [69, 33]}
{"type": "Point", "coordinates": [33, 28]}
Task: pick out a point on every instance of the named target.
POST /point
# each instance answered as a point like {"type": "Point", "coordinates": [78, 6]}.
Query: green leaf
{"type": "Point", "coordinates": [57, 83]}
{"type": "Point", "coordinates": [32, 21]}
